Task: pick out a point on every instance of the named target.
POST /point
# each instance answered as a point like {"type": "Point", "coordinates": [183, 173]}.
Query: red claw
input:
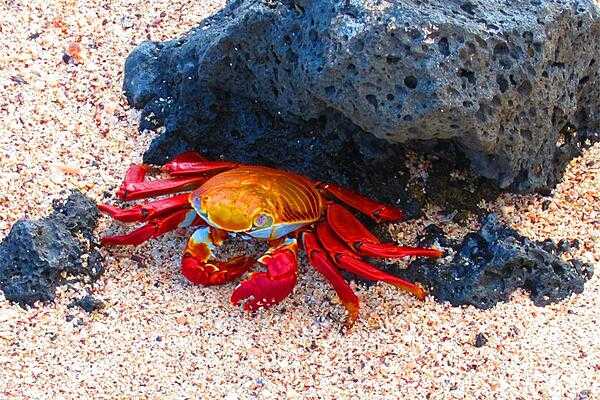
{"type": "Point", "coordinates": [265, 289]}
{"type": "Point", "coordinates": [200, 267]}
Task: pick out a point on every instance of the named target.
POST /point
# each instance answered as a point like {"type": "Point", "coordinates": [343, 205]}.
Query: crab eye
{"type": "Point", "coordinates": [263, 220]}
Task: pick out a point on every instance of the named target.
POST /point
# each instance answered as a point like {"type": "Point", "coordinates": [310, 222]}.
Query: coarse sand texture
{"type": "Point", "coordinates": [64, 124]}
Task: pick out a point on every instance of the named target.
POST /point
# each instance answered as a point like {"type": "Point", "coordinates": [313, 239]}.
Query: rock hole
{"type": "Point", "coordinates": [584, 80]}
{"type": "Point", "coordinates": [444, 46]}
{"type": "Point", "coordinates": [372, 99]}
{"type": "Point", "coordinates": [558, 269]}
{"type": "Point", "coordinates": [330, 91]}
{"type": "Point", "coordinates": [468, 7]}
{"type": "Point", "coordinates": [467, 104]}
{"type": "Point", "coordinates": [392, 59]}
{"type": "Point", "coordinates": [483, 112]}
{"type": "Point", "coordinates": [501, 49]}
{"type": "Point", "coordinates": [411, 82]}
{"type": "Point", "coordinates": [390, 97]}
{"type": "Point", "coordinates": [352, 69]}
{"type": "Point", "coordinates": [408, 118]}
{"type": "Point", "coordinates": [470, 75]}
{"type": "Point", "coordinates": [358, 45]}
{"type": "Point", "coordinates": [502, 83]}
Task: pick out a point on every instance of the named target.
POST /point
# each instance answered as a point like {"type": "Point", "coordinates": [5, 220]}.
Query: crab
{"type": "Point", "coordinates": [283, 208]}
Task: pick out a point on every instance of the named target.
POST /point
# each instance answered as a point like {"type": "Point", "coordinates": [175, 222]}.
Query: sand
{"type": "Point", "coordinates": [66, 125]}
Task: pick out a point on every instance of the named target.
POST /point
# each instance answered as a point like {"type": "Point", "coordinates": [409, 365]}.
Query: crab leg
{"type": "Point", "coordinates": [197, 167]}
{"type": "Point", "coordinates": [355, 235]}
{"type": "Point", "coordinates": [191, 162]}
{"type": "Point", "coordinates": [265, 289]}
{"type": "Point", "coordinates": [140, 190]}
{"type": "Point", "coordinates": [187, 156]}
{"type": "Point", "coordinates": [151, 230]}
{"type": "Point", "coordinates": [317, 257]}
{"type": "Point", "coordinates": [374, 209]}
{"type": "Point", "coordinates": [148, 211]}
{"type": "Point", "coordinates": [346, 259]}
{"type": "Point", "coordinates": [199, 266]}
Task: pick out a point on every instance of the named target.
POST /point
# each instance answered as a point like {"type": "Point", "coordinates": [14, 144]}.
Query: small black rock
{"type": "Point", "coordinates": [89, 303]}
{"type": "Point", "coordinates": [546, 204]}
{"type": "Point", "coordinates": [563, 246]}
{"type": "Point", "coordinates": [492, 263]}
{"type": "Point", "coordinates": [36, 254]}
{"type": "Point", "coordinates": [480, 340]}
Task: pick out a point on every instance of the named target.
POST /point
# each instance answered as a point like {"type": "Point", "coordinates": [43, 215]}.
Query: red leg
{"type": "Point", "coordinates": [345, 259]}
{"type": "Point", "coordinates": [136, 173]}
{"type": "Point", "coordinates": [140, 190]}
{"type": "Point", "coordinates": [265, 289]}
{"type": "Point", "coordinates": [151, 230]}
{"type": "Point", "coordinates": [199, 266]}
{"type": "Point", "coordinates": [320, 261]}
{"type": "Point", "coordinates": [188, 156]}
{"type": "Point", "coordinates": [149, 210]}
{"type": "Point", "coordinates": [353, 233]}
{"type": "Point", "coordinates": [193, 163]}
{"type": "Point", "coordinates": [374, 209]}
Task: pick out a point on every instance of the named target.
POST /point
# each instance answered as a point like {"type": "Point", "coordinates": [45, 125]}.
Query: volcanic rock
{"type": "Point", "coordinates": [492, 263]}
{"type": "Point", "coordinates": [39, 255]}
{"type": "Point", "coordinates": [514, 86]}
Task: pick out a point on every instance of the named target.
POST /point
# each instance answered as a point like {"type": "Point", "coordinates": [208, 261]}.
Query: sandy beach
{"type": "Point", "coordinates": [64, 124]}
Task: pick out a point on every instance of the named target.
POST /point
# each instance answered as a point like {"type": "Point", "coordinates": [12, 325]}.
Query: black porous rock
{"type": "Point", "coordinates": [480, 340]}
{"type": "Point", "coordinates": [39, 255]}
{"type": "Point", "coordinates": [308, 85]}
{"type": "Point", "coordinates": [492, 263]}
{"type": "Point", "coordinates": [88, 303]}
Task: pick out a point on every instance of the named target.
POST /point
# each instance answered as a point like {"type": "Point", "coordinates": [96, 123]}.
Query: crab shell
{"type": "Point", "coordinates": [262, 202]}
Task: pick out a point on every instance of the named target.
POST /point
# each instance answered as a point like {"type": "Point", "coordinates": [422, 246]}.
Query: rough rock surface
{"type": "Point", "coordinates": [514, 85]}
{"type": "Point", "coordinates": [39, 255]}
{"type": "Point", "coordinates": [491, 264]}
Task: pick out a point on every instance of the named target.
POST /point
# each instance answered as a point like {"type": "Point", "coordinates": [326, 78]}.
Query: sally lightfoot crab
{"type": "Point", "coordinates": [268, 204]}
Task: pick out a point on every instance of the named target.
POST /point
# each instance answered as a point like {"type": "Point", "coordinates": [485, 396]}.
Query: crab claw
{"type": "Point", "coordinates": [265, 289]}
